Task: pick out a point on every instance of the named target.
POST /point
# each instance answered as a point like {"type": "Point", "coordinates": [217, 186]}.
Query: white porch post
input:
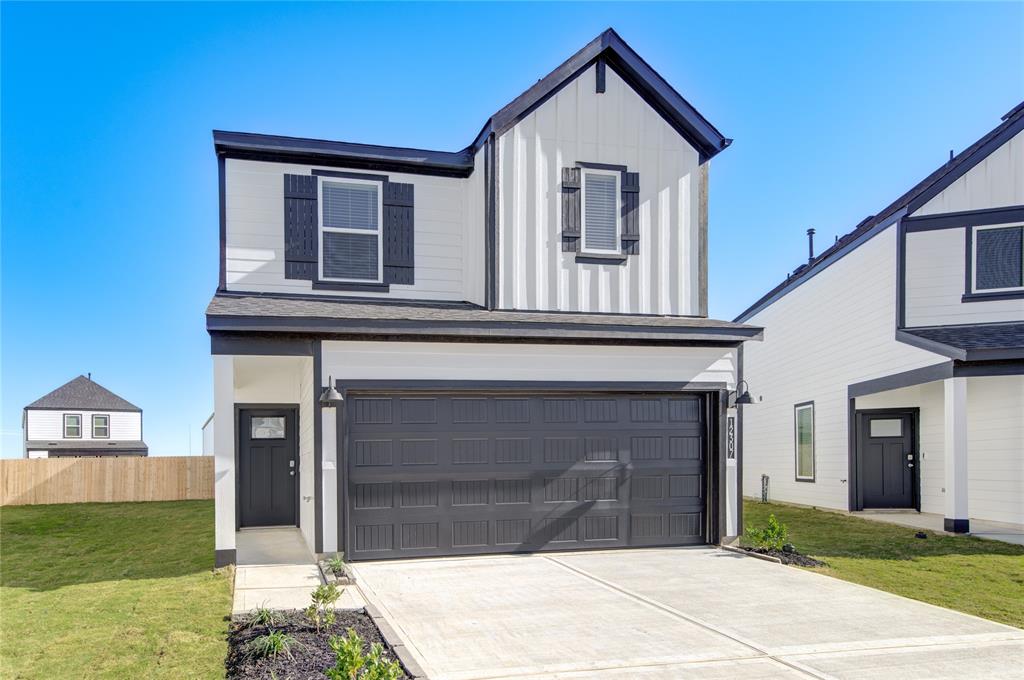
{"type": "Point", "coordinates": [224, 458]}
{"type": "Point", "coordinates": [329, 444]}
{"type": "Point", "coordinates": [957, 519]}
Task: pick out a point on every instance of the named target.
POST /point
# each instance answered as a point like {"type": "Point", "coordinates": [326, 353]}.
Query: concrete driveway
{"type": "Point", "coordinates": [671, 613]}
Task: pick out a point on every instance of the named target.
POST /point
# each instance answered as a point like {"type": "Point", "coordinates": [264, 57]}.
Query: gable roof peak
{"type": "Point", "coordinates": [83, 393]}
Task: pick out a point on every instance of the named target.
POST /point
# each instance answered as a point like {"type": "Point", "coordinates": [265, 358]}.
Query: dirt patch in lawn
{"type": "Point", "coordinates": [793, 558]}
{"type": "Point", "coordinates": [310, 655]}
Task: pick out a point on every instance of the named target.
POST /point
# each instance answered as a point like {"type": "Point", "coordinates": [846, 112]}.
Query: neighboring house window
{"type": "Point", "coordinates": [350, 230]}
{"type": "Point", "coordinates": [804, 436]}
{"type": "Point", "coordinates": [100, 426]}
{"type": "Point", "coordinates": [72, 426]}
{"type": "Point", "coordinates": [998, 259]}
{"type": "Point", "coordinates": [601, 211]}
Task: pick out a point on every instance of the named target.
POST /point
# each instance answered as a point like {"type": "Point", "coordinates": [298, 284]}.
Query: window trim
{"type": "Point", "coordinates": [617, 174]}
{"type": "Point", "coordinates": [972, 241]}
{"type": "Point", "coordinates": [80, 428]}
{"type": "Point", "coordinates": [320, 229]}
{"type": "Point", "coordinates": [796, 443]}
{"type": "Point", "coordinates": [106, 417]}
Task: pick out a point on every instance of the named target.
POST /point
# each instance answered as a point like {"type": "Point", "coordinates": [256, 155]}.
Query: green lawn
{"type": "Point", "coordinates": [972, 575]}
{"type": "Point", "coordinates": [111, 590]}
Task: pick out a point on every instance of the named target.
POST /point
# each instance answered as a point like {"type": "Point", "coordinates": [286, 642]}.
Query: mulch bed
{"type": "Point", "coordinates": [794, 558]}
{"type": "Point", "coordinates": [310, 657]}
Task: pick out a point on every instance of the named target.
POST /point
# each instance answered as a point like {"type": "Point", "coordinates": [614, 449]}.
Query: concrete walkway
{"type": "Point", "coordinates": [995, 531]}
{"type": "Point", "coordinates": [275, 569]}
{"type": "Point", "coordinates": [661, 614]}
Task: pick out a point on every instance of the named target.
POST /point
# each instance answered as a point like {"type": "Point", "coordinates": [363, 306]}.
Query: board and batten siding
{"type": "Point", "coordinates": [836, 329]}
{"type": "Point", "coordinates": [935, 283]}
{"type": "Point", "coordinates": [49, 425]}
{"type": "Point", "coordinates": [616, 127]}
{"type": "Point", "coordinates": [995, 182]}
{"type": "Point", "coordinates": [254, 233]}
{"type": "Point", "coordinates": [995, 440]}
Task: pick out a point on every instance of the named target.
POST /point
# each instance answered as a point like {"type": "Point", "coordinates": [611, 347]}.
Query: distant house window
{"type": "Point", "coordinates": [602, 208]}
{"type": "Point", "coordinates": [72, 426]}
{"type": "Point", "coordinates": [100, 426]}
{"type": "Point", "coordinates": [998, 259]}
{"type": "Point", "coordinates": [803, 432]}
{"type": "Point", "coordinates": [351, 215]}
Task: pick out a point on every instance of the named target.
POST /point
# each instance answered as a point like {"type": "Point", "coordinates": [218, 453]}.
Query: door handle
{"type": "Point", "coordinates": [291, 473]}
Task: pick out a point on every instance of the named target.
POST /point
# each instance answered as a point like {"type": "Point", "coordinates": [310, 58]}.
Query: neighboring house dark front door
{"type": "Point", "coordinates": [888, 458]}
{"type": "Point", "coordinates": [268, 467]}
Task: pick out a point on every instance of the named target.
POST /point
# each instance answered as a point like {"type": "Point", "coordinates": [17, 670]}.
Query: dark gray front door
{"type": "Point", "coordinates": [268, 466]}
{"type": "Point", "coordinates": [888, 459]}
{"type": "Point", "coordinates": [444, 474]}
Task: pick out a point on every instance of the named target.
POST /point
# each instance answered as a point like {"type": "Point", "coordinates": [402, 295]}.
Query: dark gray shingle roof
{"type": "Point", "coordinates": [977, 341]}
{"type": "Point", "coordinates": [291, 314]}
{"type": "Point", "coordinates": [93, 445]}
{"type": "Point", "coordinates": [83, 393]}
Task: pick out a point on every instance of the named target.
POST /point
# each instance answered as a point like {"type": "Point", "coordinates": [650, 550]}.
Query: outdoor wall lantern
{"type": "Point", "coordinates": [744, 397]}
{"type": "Point", "coordinates": [330, 396]}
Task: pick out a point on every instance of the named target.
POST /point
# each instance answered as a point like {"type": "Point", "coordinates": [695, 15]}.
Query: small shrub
{"type": "Point", "coordinates": [262, 616]}
{"type": "Point", "coordinates": [351, 664]}
{"type": "Point", "coordinates": [321, 609]}
{"type": "Point", "coordinates": [337, 563]}
{"type": "Point", "coordinates": [270, 645]}
{"type": "Point", "coordinates": [348, 656]}
{"type": "Point", "coordinates": [771, 537]}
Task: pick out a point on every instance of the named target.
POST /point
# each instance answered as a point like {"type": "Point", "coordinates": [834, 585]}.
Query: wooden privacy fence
{"type": "Point", "coordinates": [105, 480]}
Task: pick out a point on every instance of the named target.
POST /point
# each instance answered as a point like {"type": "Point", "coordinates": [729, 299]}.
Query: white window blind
{"type": "Point", "coordinates": [350, 231]}
{"type": "Point", "coordinates": [600, 212]}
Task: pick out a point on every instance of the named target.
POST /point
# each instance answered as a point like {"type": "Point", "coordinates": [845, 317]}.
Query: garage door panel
{"type": "Point", "coordinates": [467, 474]}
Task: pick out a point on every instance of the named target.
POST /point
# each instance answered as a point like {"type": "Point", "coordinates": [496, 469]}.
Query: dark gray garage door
{"type": "Point", "coordinates": [449, 474]}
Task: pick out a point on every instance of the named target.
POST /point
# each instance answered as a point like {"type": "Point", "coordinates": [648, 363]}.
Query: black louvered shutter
{"type": "Point", "coordinates": [398, 233]}
{"type": "Point", "coordinates": [631, 213]}
{"type": "Point", "coordinates": [571, 223]}
{"type": "Point", "coordinates": [300, 223]}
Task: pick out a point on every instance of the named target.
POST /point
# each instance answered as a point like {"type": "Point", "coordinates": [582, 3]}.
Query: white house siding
{"type": "Point", "coordinates": [254, 202]}
{"type": "Point", "coordinates": [473, 255]}
{"type": "Point", "coordinates": [49, 425]}
{"type": "Point", "coordinates": [835, 329]}
{"type": "Point", "coordinates": [995, 444]}
{"type": "Point", "coordinates": [616, 127]}
{"type": "Point", "coordinates": [935, 274]}
{"type": "Point", "coordinates": [997, 181]}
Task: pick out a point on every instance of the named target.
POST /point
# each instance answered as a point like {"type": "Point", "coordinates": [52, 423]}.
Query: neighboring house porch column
{"type": "Point", "coordinates": [224, 458]}
{"type": "Point", "coordinates": [956, 517]}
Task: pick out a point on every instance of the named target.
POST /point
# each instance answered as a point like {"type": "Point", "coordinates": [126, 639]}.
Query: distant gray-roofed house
{"type": "Point", "coordinates": [82, 418]}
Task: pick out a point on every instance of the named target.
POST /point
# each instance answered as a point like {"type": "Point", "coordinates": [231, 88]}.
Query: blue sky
{"type": "Point", "coordinates": [109, 191]}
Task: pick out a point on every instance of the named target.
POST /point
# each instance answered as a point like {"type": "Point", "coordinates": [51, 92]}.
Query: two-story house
{"type": "Point", "coordinates": [82, 418]}
{"type": "Point", "coordinates": [499, 349]}
{"type": "Point", "coordinates": [892, 371]}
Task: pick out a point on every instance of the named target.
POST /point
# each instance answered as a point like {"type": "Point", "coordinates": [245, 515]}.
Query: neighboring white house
{"type": "Point", "coordinates": [82, 418]}
{"type": "Point", "coordinates": [519, 330]}
{"type": "Point", "coordinates": [892, 369]}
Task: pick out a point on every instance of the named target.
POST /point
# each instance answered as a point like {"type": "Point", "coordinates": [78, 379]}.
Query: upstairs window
{"type": "Point", "coordinates": [803, 426]}
{"type": "Point", "coordinates": [602, 208]}
{"type": "Point", "coordinates": [350, 231]}
{"type": "Point", "coordinates": [100, 426]}
{"type": "Point", "coordinates": [72, 426]}
{"type": "Point", "coordinates": [998, 259]}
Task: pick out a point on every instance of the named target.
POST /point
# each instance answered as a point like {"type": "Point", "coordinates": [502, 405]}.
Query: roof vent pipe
{"type": "Point", "coordinates": [810, 245]}
{"type": "Point", "coordinates": [950, 155]}
{"type": "Point", "coordinates": [88, 376]}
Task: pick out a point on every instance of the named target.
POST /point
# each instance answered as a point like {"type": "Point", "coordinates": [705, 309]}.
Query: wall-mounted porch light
{"type": "Point", "coordinates": [744, 397]}
{"type": "Point", "coordinates": [330, 397]}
